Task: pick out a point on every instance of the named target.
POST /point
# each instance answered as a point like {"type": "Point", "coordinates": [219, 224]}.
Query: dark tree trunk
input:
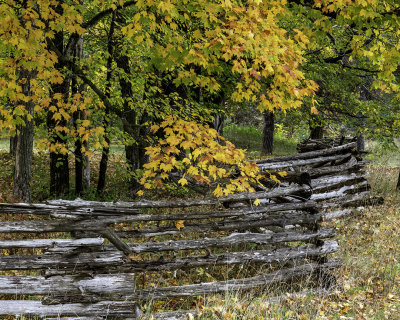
{"type": "Point", "coordinates": [317, 133]}
{"type": "Point", "coordinates": [59, 167]}
{"type": "Point", "coordinates": [103, 167]}
{"type": "Point", "coordinates": [268, 133]}
{"type": "Point", "coordinates": [59, 174]}
{"type": "Point", "coordinates": [78, 151]}
{"type": "Point", "coordinates": [360, 142]}
{"type": "Point", "coordinates": [78, 147]}
{"type": "Point", "coordinates": [132, 125]}
{"type": "Point", "coordinates": [78, 167]}
{"type": "Point", "coordinates": [21, 146]}
{"type": "Point", "coordinates": [316, 128]}
{"type": "Point", "coordinates": [85, 144]}
{"type": "Point", "coordinates": [77, 115]}
{"type": "Point", "coordinates": [106, 149]}
{"type": "Point", "coordinates": [132, 122]}
{"type": "Point", "coordinates": [135, 152]}
{"type": "Point", "coordinates": [24, 144]}
{"type": "Point", "coordinates": [398, 182]}
{"type": "Point", "coordinates": [13, 145]}
{"type": "Point", "coordinates": [86, 162]}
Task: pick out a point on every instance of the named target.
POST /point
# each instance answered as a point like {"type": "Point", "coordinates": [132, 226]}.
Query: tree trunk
{"type": "Point", "coordinates": [103, 167]}
{"type": "Point", "coordinates": [59, 167]}
{"type": "Point", "coordinates": [59, 174]}
{"type": "Point", "coordinates": [78, 147]}
{"type": "Point", "coordinates": [398, 183]}
{"type": "Point", "coordinates": [86, 164]}
{"type": "Point", "coordinates": [219, 124]}
{"type": "Point", "coordinates": [316, 128]}
{"type": "Point", "coordinates": [78, 167]}
{"type": "Point", "coordinates": [360, 142]}
{"type": "Point", "coordinates": [135, 151]}
{"type": "Point", "coordinates": [24, 144]}
{"type": "Point", "coordinates": [268, 133]}
{"type": "Point", "coordinates": [106, 149]}
{"type": "Point", "coordinates": [77, 115]}
{"type": "Point", "coordinates": [317, 133]}
{"type": "Point", "coordinates": [13, 145]}
{"type": "Point", "coordinates": [21, 146]}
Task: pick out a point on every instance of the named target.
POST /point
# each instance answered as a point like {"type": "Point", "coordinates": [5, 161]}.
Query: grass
{"type": "Point", "coordinates": [4, 144]}
{"type": "Point", "coordinates": [250, 139]}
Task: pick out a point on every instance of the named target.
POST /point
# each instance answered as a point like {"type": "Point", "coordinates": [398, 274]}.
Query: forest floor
{"type": "Point", "coordinates": [368, 284]}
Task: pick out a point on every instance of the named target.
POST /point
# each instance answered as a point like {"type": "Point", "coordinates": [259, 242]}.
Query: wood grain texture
{"type": "Point", "coordinates": [237, 284]}
{"type": "Point", "coordinates": [36, 308]}
{"type": "Point", "coordinates": [80, 284]}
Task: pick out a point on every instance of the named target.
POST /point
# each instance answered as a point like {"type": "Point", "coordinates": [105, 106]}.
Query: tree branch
{"type": "Point", "coordinates": [88, 24]}
{"type": "Point", "coordinates": [333, 40]}
{"type": "Point", "coordinates": [104, 13]}
{"type": "Point", "coordinates": [338, 57]}
{"type": "Point", "coordinates": [79, 73]}
{"type": "Point", "coordinates": [360, 69]}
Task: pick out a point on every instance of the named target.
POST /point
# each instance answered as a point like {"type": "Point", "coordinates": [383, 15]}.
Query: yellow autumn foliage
{"type": "Point", "coordinates": [196, 154]}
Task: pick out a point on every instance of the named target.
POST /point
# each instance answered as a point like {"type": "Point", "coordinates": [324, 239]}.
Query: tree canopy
{"type": "Point", "coordinates": [89, 72]}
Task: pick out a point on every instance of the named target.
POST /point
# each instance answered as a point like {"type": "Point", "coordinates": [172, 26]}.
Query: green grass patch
{"type": "Point", "coordinates": [250, 139]}
{"type": "Point", "coordinates": [4, 144]}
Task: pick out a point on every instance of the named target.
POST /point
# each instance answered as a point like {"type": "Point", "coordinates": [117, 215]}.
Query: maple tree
{"type": "Point", "coordinates": [353, 55]}
{"type": "Point", "coordinates": [132, 63]}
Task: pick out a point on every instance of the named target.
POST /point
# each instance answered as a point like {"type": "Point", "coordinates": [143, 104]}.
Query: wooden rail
{"type": "Point", "coordinates": [336, 176]}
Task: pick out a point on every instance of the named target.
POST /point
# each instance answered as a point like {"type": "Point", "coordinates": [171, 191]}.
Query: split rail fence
{"type": "Point", "coordinates": [93, 260]}
{"type": "Point", "coordinates": [336, 176]}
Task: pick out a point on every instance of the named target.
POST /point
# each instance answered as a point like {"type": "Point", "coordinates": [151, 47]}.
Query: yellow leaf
{"type": "Point", "coordinates": [187, 145]}
{"type": "Point", "coordinates": [282, 173]}
{"type": "Point", "coordinates": [166, 167]}
{"type": "Point", "coordinates": [88, 153]}
{"type": "Point", "coordinates": [57, 116]}
{"type": "Point", "coordinates": [274, 178]}
{"type": "Point", "coordinates": [218, 191]}
{"type": "Point", "coordinates": [183, 181]}
{"type": "Point", "coordinates": [256, 202]}
{"type": "Point", "coordinates": [179, 224]}
{"type": "Point", "coordinates": [196, 153]}
{"type": "Point", "coordinates": [140, 193]}
{"type": "Point", "coordinates": [164, 175]}
{"type": "Point", "coordinates": [154, 128]}
{"type": "Point", "coordinates": [314, 110]}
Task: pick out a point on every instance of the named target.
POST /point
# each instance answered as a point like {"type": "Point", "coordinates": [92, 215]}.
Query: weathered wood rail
{"type": "Point", "coordinates": [309, 145]}
{"type": "Point", "coordinates": [90, 259]}
{"type": "Point", "coordinates": [336, 176]}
